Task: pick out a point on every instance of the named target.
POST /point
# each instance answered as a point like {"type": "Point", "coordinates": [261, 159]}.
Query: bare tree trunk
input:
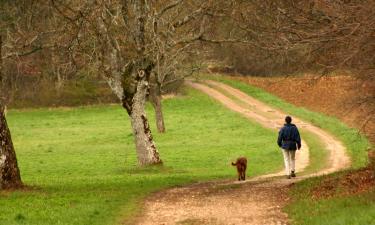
{"type": "Point", "coordinates": [145, 146]}
{"type": "Point", "coordinates": [155, 99]}
{"type": "Point", "coordinates": [56, 70]}
{"type": "Point", "coordinates": [9, 172]}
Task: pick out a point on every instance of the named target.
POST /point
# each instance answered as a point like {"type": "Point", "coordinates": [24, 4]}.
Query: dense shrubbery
{"type": "Point", "coordinates": [75, 92]}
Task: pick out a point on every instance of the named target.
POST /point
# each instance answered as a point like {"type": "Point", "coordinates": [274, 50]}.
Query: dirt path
{"type": "Point", "coordinates": [256, 201]}
{"type": "Point", "coordinates": [337, 159]}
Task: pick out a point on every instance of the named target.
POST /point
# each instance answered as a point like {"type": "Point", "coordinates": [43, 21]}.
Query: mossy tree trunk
{"type": "Point", "coordinates": [136, 86]}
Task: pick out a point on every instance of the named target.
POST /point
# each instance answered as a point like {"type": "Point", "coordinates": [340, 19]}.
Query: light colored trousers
{"type": "Point", "coordinates": [289, 160]}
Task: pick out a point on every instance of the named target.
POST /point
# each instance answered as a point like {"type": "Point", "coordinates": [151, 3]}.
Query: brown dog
{"type": "Point", "coordinates": [241, 165]}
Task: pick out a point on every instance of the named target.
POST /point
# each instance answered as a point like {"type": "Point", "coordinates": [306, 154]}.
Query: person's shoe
{"type": "Point", "coordinates": [293, 174]}
{"type": "Point", "coordinates": [288, 176]}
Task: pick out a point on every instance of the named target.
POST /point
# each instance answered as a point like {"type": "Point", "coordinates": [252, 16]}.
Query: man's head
{"type": "Point", "coordinates": [288, 119]}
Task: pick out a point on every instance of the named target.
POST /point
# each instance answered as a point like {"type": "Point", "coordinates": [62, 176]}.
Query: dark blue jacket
{"type": "Point", "coordinates": [289, 137]}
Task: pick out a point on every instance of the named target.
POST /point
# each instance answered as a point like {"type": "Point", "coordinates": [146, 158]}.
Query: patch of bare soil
{"type": "Point", "coordinates": [256, 201]}
{"type": "Point", "coordinates": [351, 183]}
{"type": "Point", "coordinates": [225, 203]}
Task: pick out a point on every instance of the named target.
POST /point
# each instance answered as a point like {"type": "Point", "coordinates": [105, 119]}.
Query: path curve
{"type": "Point", "coordinates": [256, 201]}
{"type": "Point", "coordinates": [337, 157]}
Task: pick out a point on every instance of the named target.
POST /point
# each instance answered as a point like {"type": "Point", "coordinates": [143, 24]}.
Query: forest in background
{"type": "Point", "coordinates": [71, 53]}
{"type": "Point", "coordinates": [51, 56]}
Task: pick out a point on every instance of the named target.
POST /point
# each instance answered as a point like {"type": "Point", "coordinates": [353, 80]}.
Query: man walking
{"type": "Point", "coordinates": [289, 140]}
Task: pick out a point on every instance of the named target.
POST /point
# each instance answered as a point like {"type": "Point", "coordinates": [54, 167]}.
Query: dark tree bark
{"type": "Point", "coordinates": [155, 99]}
{"type": "Point", "coordinates": [9, 173]}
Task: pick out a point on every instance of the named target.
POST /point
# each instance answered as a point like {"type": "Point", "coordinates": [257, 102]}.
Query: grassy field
{"type": "Point", "coordinates": [81, 168]}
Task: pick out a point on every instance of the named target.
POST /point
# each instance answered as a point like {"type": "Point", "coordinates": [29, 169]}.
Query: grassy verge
{"type": "Point", "coordinates": [81, 163]}
{"type": "Point", "coordinates": [318, 155]}
{"type": "Point", "coordinates": [356, 144]}
{"type": "Point", "coordinates": [339, 209]}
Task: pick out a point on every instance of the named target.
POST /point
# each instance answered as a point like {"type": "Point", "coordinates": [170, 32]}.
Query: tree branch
{"type": "Point", "coordinates": [168, 7]}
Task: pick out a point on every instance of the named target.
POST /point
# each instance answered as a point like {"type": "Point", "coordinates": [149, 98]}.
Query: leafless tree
{"type": "Point", "coordinates": [9, 172]}
{"type": "Point", "coordinates": [137, 43]}
{"type": "Point", "coordinates": [19, 38]}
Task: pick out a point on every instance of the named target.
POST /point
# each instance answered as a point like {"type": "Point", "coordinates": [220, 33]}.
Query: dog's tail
{"type": "Point", "coordinates": [234, 164]}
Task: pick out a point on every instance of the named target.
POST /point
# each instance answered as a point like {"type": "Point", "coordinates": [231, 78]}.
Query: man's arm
{"type": "Point", "coordinates": [298, 139]}
{"type": "Point", "coordinates": [279, 139]}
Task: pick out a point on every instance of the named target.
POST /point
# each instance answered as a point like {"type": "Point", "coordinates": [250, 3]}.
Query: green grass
{"type": "Point", "coordinates": [81, 165]}
{"type": "Point", "coordinates": [358, 209]}
{"type": "Point", "coordinates": [318, 155]}
{"type": "Point", "coordinates": [356, 143]}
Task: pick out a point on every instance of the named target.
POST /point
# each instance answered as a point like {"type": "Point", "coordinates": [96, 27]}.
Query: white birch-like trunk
{"type": "Point", "coordinates": [146, 150]}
